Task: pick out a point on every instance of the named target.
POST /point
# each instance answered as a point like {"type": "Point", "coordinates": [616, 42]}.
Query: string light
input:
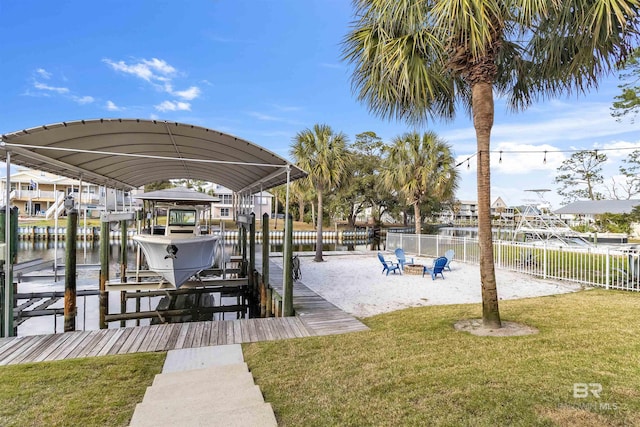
{"type": "Point", "coordinates": [544, 160]}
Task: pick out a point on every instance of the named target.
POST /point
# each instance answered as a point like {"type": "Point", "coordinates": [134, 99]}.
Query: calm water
{"type": "Point", "coordinates": [87, 307]}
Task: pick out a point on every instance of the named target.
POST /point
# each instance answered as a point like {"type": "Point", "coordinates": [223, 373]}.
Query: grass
{"type": "Point", "coordinates": [413, 368]}
{"type": "Point", "coordinates": [100, 391]}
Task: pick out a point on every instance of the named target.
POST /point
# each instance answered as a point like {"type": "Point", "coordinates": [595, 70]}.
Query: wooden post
{"type": "Point", "coordinates": [7, 290]}
{"type": "Point", "coordinates": [265, 248]}
{"type": "Point", "coordinates": [265, 267]}
{"type": "Point", "coordinates": [70, 272]}
{"type": "Point", "coordinates": [252, 252]}
{"type": "Point", "coordinates": [263, 296]}
{"type": "Point", "coordinates": [243, 267]}
{"type": "Point", "coordinates": [287, 298]}
{"type": "Point", "coordinates": [104, 273]}
{"type": "Point", "coordinates": [123, 268]}
{"type": "Point", "coordinates": [269, 311]}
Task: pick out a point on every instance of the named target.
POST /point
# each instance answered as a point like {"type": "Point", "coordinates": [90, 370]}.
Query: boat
{"type": "Point", "coordinates": [178, 250]}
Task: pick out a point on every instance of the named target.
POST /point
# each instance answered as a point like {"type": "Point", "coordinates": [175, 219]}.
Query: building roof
{"type": "Point", "coordinates": [178, 194]}
{"type": "Point", "coordinates": [595, 207]}
{"type": "Point", "coordinates": [128, 153]}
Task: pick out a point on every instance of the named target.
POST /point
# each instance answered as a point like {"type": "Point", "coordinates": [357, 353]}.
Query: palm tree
{"type": "Point", "coordinates": [415, 59]}
{"type": "Point", "coordinates": [323, 155]}
{"type": "Point", "coordinates": [421, 169]}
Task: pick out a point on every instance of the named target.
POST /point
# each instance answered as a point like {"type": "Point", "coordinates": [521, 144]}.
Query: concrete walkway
{"type": "Point", "coordinates": [204, 386]}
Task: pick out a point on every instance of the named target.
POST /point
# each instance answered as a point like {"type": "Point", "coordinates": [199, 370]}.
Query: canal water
{"type": "Point", "coordinates": [88, 262]}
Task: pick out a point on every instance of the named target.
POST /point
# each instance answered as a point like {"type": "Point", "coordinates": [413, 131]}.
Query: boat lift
{"type": "Point", "coordinates": [538, 223]}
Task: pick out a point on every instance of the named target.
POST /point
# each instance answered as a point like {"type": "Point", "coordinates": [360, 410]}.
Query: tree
{"type": "Point", "coordinates": [628, 102]}
{"type": "Point", "coordinates": [416, 59]}
{"type": "Point", "coordinates": [158, 185]}
{"type": "Point", "coordinates": [357, 188]}
{"type": "Point", "coordinates": [579, 174]}
{"type": "Point", "coordinates": [631, 172]}
{"type": "Point", "coordinates": [323, 154]}
{"type": "Point", "coordinates": [422, 169]}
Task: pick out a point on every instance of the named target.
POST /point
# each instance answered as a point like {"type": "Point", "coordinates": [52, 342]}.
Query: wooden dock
{"type": "Point", "coordinates": [314, 316]}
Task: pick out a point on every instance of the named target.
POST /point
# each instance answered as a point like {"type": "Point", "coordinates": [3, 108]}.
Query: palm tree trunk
{"type": "Point", "coordinates": [416, 214]}
{"type": "Point", "coordinates": [318, 257]}
{"type": "Point", "coordinates": [483, 110]}
{"type": "Point", "coordinates": [301, 210]}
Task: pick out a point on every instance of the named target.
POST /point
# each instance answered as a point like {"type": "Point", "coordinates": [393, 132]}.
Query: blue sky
{"type": "Point", "coordinates": [262, 70]}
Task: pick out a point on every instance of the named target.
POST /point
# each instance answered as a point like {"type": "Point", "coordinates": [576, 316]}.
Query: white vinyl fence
{"type": "Point", "coordinates": [607, 267]}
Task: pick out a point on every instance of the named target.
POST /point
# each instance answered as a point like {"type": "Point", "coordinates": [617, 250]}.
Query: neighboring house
{"type": "Point", "coordinates": [37, 193]}
{"type": "Point", "coordinates": [585, 211]}
{"type": "Point", "coordinates": [260, 203]}
{"type": "Point", "coordinates": [500, 210]}
{"type": "Point", "coordinates": [467, 211]}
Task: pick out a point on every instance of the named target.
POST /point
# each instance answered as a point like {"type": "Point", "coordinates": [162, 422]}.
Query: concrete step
{"type": "Point", "coordinates": [213, 392]}
{"type": "Point", "coordinates": [186, 391]}
{"type": "Point", "coordinates": [206, 386]}
{"type": "Point", "coordinates": [202, 357]}
{"type": "Point", "coordinates": [257, 415]}
{"type": "Point", "coordinates": [199, 403]}
{"type": "Point", "coordinates": [212, 374]}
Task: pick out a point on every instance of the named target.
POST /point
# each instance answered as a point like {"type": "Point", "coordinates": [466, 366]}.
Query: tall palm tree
{"type": "Point", "coordinates": [415, 59]}
{"type": "Point", "coordinates": [323, 154]}
{"type": "Point", "coordinates": [420, 168]}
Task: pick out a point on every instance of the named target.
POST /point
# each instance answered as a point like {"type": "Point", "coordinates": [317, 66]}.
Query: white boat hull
{"type": "Point", "coordinates": [177, 259]}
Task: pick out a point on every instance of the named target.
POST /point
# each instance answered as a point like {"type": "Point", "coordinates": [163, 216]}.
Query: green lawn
{"type": "Point", "coordinates": [412, 368]}
{"type": "Point", "coordinates": [99, 391]}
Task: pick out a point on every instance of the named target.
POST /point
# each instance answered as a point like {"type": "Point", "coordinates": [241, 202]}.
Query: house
{"type": "Point", "coordinates": [466, 211]}
{"type": "Point", "coordinates": [37, 193]}
{"type": "Point", "coordinates": [585, 211]}
{"type": "Point", "coordinates": [260, 203]}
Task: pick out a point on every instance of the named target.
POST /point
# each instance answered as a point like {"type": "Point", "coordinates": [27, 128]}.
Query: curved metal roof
{"type": "Point", "coordinates": [178, 194]}
{"type": "Point", "coordinates": [128, 153]}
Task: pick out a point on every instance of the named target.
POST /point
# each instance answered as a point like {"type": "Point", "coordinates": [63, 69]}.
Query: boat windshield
{"type": "Point", "coordinates": [182, 217]}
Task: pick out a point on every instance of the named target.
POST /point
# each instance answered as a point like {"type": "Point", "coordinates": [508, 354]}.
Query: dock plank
{"type": "Point", "coordinates": [314, 316]}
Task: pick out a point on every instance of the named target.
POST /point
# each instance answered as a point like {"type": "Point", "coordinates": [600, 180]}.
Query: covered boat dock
{"type": "Point", "coordinates": [126, 154]}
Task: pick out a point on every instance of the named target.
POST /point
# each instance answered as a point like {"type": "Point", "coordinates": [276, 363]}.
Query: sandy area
{"type": "Point", "coordinates": [355, 284]}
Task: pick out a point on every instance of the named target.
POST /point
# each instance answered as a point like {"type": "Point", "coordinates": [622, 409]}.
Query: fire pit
{"type": "Point", "coordinates": [413, 269]}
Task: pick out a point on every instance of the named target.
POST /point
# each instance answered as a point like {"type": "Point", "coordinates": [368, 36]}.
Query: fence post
{"type": "Point", "coordinates": [544, 260]}
{"type": "Point", "coordinates": [607, 276]}
{"type": "Point", "coordinates": [464, 249]}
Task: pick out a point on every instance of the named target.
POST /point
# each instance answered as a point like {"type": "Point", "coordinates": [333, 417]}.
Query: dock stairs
{"type": "Point", "coordinates": [204, 386]}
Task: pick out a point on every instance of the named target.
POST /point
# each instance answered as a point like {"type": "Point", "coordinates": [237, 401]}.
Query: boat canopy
{"type": "Point", "coordinates": [129, 153]}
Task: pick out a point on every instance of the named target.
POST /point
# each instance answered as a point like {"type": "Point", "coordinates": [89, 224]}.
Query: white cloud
{"type": "Point", "coordinates": [149, 70]}
{"type": "Point", "coordinates": [173, 106]}
{"type": "Point", "coordinates": [82, 100]}
{"type": "Point", "coordinates": [111, 106]}
{"type": "Point", "coordinates": [188, 94]}
{"type": "Point", "coordinates": [45, 87]}
{"type": "Point", "coordinates": [43, 73]}
{"type": "Point", "coordinates": [160, 74]}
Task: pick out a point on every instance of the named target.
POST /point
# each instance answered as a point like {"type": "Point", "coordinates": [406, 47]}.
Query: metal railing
{"type": "Point", "coordinates": [607, 267]}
